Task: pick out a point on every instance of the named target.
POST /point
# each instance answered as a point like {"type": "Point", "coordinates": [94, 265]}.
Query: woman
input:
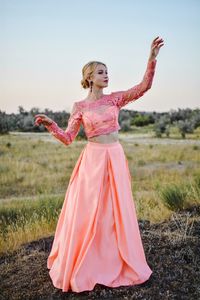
{"type": "Point", "coordinates": [97, 238]}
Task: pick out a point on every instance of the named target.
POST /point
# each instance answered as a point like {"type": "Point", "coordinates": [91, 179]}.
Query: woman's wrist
{"type": "Point", "coordinates": [50, 123]}
{"type": "Point", "coordinates": [151, 58]}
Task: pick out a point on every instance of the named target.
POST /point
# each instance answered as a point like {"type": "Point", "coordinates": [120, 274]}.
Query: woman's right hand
{"type": "Point", "coordinates": [42, 119]}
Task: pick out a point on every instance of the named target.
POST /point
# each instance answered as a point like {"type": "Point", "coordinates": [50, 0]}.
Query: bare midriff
{"type": "Point", "coordinates": [105, 138]}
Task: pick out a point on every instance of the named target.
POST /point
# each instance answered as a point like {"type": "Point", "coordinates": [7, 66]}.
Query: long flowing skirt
{"type": "Point", "coordinates": [97, 238]}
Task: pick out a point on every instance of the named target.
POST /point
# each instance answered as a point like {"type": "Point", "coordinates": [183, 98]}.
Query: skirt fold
{"type": "Point", "coordinates": [97, 238]}
{"type": "Point", "coordinates": [127, 228]}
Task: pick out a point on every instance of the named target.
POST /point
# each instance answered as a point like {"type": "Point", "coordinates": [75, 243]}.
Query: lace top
{"type": "Point", "coordinates": [101, 116]}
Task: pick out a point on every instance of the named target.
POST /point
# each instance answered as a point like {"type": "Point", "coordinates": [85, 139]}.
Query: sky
{"type": "Point", "coordinates": [46, 43]}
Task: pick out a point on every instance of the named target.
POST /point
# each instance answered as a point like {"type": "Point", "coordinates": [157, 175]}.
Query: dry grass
{"type": "Point", "coordinates": [36, 169]}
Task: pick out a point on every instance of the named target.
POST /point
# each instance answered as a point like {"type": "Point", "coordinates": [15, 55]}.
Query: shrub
{"type": "Point", "coordinates": [197, 184]}
{"type": "Point", "coordinates": [142, 120]}
{"type": "Point", "coordinates": [173, 197]}
{"type": "Point", "coordinates": [125, 125]}
{"type": "Point", "coordinates": [185, 127]}
{"type": "Point", "coordinates": [162, 126]}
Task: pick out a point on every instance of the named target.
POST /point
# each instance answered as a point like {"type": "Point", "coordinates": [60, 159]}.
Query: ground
{"type": "Point", "coordinates": [172, 251]}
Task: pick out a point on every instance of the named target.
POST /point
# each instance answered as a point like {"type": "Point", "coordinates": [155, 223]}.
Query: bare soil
{"type": "Point", "coordinates": [172, 250]}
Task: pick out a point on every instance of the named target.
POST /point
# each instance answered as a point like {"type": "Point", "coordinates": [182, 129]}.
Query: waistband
{"type": "Point", "coordinates": [102, 145]}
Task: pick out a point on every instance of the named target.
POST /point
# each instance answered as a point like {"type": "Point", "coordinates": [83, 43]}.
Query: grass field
{"type": "Point", "coordinates": [35, 170]}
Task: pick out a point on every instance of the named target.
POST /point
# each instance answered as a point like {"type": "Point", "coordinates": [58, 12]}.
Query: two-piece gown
{"type": "Point", "coordinates": [97, 237]}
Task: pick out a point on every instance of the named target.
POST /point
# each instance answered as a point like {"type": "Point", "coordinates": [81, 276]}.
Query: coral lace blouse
{"type": "Point", "coordinates": [101, 116]}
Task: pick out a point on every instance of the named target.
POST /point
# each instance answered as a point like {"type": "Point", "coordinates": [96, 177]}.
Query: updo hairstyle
{"type": "Point", "coordinates": [87, 71]}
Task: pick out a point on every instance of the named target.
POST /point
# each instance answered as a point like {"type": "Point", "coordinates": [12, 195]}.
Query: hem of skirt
{"type": "Point", "coordinates": [114, 285]}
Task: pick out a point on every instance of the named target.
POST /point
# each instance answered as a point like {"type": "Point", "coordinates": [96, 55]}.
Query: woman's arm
{"type": "Point", "coordinates": [69, 134]}
{"type": "Point", "coordinates": [125, 97]}
{"type": "Point", "coordinates": [130, 95]}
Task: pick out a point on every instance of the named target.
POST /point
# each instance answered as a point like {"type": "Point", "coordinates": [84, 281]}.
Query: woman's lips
{"type": "Point", "coordinates": [105, 80]}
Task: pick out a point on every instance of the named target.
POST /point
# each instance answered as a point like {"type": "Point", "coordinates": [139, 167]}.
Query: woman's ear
{"type": "Point", "coordinates": [90, 79]}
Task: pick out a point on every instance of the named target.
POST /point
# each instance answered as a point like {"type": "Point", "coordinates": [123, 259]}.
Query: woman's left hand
{"type": "Point", "coordinates": [155, 47]}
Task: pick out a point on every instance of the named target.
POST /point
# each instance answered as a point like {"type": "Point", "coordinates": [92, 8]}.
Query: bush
{"type": "Point", "coordinates": [162, 126]}
{"type": "Point", "coordinates": [185, 127]}
{"type": "Point", "coordinates": [4, 128]}
{"type": "Point", "coordinates": [142, 120]}
{"type": "Point", "coordinates": [125, 125]}
{"type": "Point", "coordinates": [196, 120]}
{"type": "Point", "coordinates": [173, 197]}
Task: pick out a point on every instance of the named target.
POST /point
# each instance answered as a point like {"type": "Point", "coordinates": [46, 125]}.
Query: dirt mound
{"type": "Point", "coordinates": [172, 251]}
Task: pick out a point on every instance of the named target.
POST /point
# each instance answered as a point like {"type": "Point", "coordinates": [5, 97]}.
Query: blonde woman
{"type": "Point", "coordinates": [97, 238]}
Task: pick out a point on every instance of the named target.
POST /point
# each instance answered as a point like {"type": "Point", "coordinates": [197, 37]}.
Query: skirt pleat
{"type": "Point", "coordinates": [97, 237]}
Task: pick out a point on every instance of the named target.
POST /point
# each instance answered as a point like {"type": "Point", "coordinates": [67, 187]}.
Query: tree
{"type": "Point", "coordinates": [196, 118]}
{"type": "Point", "coordinates": [22, 110]}
{"type": "Point", "coordinates": [4, 128]}
{"type": "Point", "coordinates": [142, 120]}
{"type": "Point", "coordinates": [185, 127]}
{"type": "Point", "coordinates": [162, 125]}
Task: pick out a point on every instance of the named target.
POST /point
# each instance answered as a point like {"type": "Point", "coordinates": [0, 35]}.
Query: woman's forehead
{"type": "Point", "coordinates": [101, 68]}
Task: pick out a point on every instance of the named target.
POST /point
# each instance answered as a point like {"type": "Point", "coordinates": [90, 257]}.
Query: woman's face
{"type": "Point", "coordinates": [100, 76]}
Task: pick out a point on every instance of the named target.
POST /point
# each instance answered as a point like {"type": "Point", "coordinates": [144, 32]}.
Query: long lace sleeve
{"type": "Point", "coordinates": [67, 136]}
{"type": "Point", "coordinates": [125, 97]}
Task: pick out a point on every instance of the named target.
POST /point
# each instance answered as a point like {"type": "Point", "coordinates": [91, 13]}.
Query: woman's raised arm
{"type": "Point", "coordinates": [130, 95]}
{"type": "Point", "coordinates": [135, 92]}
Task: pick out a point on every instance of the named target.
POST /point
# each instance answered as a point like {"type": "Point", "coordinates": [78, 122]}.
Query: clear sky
{"type": "Point", "coordinates": [45, 44]}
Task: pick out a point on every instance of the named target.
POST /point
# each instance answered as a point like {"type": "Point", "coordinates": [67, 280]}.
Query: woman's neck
{"type": "Point", "coordinates": [95, 95]}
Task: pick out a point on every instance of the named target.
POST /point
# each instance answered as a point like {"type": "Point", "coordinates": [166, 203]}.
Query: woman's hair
{"type": "Point", "coordinates": [87, 71]}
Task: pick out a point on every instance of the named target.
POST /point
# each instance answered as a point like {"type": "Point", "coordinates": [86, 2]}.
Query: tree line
{"type": "Point", "coordinates": [186, 120]}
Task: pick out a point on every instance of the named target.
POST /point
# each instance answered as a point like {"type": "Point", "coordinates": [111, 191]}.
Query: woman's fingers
{"type": "Point", "coordinates": [42, 119]}
{"type": "Point", "coordinates": [38, 121]}
{"type": "Point", "coordinates": [157, 40]}
{"type": "Point", "coordinates": [160, 41]}
{"type": "Point", "coordinates": [157, 44]}
{"type": "Point", "coordinates": [160, 45]}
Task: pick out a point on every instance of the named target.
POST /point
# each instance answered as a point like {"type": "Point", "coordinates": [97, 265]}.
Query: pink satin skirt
{"type": "Point", "coordinates": [97, 238]}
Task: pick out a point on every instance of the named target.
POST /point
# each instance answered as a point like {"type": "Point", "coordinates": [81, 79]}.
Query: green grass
{"type": "Point", "coordinates": [31, 167]}
{"type": "Point", "coordinates": [174, 132]}
{"type": "Point", "coordinates": [25, 220]}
